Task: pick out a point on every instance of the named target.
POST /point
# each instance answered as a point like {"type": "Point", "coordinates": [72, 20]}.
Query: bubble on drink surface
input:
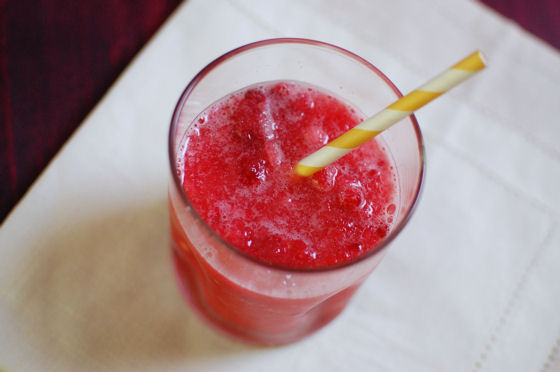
{"type": "Point", "coordinates": [357, 248]}
{"type": "Point", "coordinates": [248, 235]}
{"type": "Point", "coordinates": [315, 135]}
{"type": "Point", "coordinates": [325, 180]}
{"type": "Point", "coordinates": [202, 118]}
{"type": "Point", "coordinates": [259, 170]}
{"type": "Point", "coordinates": [180, 163]}
{"type": "Point", "coordinates": [352, 195]}
{"type": "Point", "coordinates": [369, 210]}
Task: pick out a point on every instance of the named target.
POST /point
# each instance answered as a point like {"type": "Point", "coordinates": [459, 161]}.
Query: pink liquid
{"type": "Point", "coordinates": [237, 172]}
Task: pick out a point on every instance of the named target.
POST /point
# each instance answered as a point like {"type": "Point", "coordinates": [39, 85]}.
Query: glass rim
{"type": "Point", "coordinates": [395, 231]}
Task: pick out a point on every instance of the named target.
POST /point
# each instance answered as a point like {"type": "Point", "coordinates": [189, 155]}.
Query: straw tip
{"type": "Point", "coordinates": [476, 61]}
{"type": "Point", "coordinates": [482, 57]}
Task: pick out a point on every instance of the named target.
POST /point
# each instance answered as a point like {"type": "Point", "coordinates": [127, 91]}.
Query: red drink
{"type": "Point", "coordinates": [263, 254]}
{"type": "Point", "coordinates": [258, 205]}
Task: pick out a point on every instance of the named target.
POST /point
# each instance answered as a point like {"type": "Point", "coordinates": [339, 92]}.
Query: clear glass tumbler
{"type": "Point", "coordinates": [245, 298]}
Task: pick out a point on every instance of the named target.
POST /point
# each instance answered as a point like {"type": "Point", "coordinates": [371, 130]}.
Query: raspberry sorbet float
{"type": "Point", "coordinates": [258, 205]}
{"type": "Point", "coordinates": [263, 254]}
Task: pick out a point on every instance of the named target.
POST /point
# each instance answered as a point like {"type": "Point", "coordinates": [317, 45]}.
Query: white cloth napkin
{"type": "Point", "coordinates": [472, 284]}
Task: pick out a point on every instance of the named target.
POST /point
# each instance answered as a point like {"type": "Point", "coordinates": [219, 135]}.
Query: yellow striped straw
{"type": "Point", "coordinates": [403, 107]}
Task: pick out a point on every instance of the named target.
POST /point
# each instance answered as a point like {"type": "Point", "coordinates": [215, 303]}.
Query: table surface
{"type": "Point", "coordinates": [85, 278]}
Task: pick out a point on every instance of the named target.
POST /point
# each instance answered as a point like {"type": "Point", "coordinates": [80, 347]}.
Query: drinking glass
{"type": "Point", "coordinates": [255, 301]}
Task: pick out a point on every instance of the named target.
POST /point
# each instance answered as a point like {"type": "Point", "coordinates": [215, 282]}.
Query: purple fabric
{"type": "Point", "coordinates": [540, 17]}
{"type": "Point", "coordinates": [57, 58]}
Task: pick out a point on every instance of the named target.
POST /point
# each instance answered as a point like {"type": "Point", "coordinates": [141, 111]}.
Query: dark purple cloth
{"type": "Point", "coordinates": [540, 17]}
{"type": "Point", "coordinates": [58, 57]}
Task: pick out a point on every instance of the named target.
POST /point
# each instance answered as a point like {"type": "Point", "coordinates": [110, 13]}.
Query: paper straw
{"type": "Point", "coordinates": [403, 107]}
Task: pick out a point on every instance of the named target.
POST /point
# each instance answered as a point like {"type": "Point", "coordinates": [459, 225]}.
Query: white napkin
{"type": "Point", "coordinates": [472, 284]}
